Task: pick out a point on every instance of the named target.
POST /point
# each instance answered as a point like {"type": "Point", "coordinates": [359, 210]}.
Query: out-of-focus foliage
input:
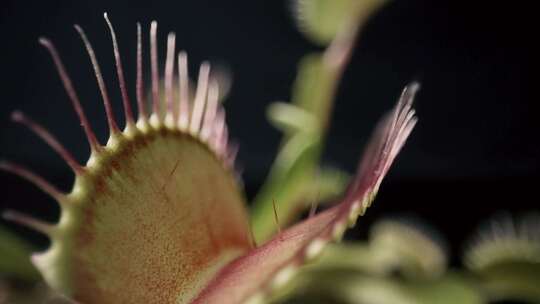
{"type": "Point", "coordinates": [404, 262]}
{"type": "Point", "coordinates": [296, 170]}
{"type": "Point", "coordinates": [506, 256]}
{"type": "Point", "coordinates": [416, 250]}
{"type": "Point", "coordinates": [17, 292]}
{"type": "Point", "coordinates": [322, 20]}
{"type": "Point", "coordinates": [15, 257]}
{"type": "Point", "coordinates": [353, 287]}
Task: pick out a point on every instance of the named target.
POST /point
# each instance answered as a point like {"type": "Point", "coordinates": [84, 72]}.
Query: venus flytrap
{"type": "Point", "coordinates": [505, 257]}
{"type": "Point", "coordinates": [156, 214]}
{"type": "Point", "coordinates": [140, 225]}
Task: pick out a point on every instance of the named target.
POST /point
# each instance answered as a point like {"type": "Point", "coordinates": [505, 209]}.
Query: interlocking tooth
{"type": "Point", "coordinates": [210, 111]}
{"type": "Point", "coordinates": [35, 179]}
{"type": "Point", "coordinates": [113, 127]}
{"type": "Point", "coordinates": [48, 138]}
{"type": "Point", "coordinates": [140, 82]}
{"type": "Point", "coordinates": [70, 90]}
{"type": "Point", "coordinates": [200, 99]}
{"type": "Point", "coordinates": [204, 119]}
{"type": "Point", "coordinates": [29, 221]}
{"type": "Point", "coordinates": [170, 117]}
{"type": "Point", "coordinates": [154, 68]}
{"type": "Point", "coordinates": [128, 113]}
{"type": "Point", "coordinates": [183, 86]}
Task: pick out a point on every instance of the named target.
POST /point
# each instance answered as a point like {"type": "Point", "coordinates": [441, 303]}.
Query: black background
{"type": "Point", "coordinates": [474, 153]}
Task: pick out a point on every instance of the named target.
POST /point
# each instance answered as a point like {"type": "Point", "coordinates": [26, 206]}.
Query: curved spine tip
{"type": "Point", "coordinates": [28, 221]}
{"type": "Point", "coordinates": [128, 113]}
{"type": "Point", "coordinates": [113, 127]}
{"type": "Point", "coordinates": [33, 178]}
{"type": "Point", "coordinates": [49, 139]}
{"type": "Point", "coordinates": [72, 94]}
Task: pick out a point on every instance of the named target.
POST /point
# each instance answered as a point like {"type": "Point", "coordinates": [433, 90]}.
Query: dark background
{"type": "Point", "coordinates": [474, 153]}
